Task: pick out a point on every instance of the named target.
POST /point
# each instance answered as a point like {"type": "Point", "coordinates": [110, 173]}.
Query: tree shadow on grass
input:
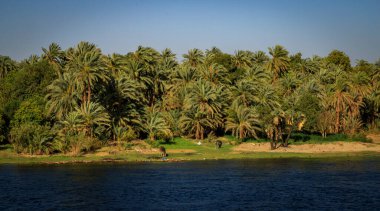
{"type": "Point", "coordinates": [5, 147]}
{"type": "Point", "coordinates": [300, 138]}
{"type": "Point", "coordinates": [167, 142]}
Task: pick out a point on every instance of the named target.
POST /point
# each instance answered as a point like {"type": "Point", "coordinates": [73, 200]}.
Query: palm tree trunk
{"type": "Point", "coordinates": [337, 122]}
{"type": "Point", "coordinates": [373, 117]}
{"type": "Point", "coordinates": [272, 143]}
{"type": "Point", "coordinates": [276, 137]}
{"type": "Point", "coordinates": [84, 99]}
{"type": "Point", "coordinates": [344, 122]}
{"type": "Point", "coordinates": [241, 131]}
{"type": "Point", "coordinates": [89, 91]}
{"type": "Point", "coordinates": [197, 132]}
{"type": "Point", "coordinates": [118, 143]}
{"type": "Point", "coordinates": [287, 137]}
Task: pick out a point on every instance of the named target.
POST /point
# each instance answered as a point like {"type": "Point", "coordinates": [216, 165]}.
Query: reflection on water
{"type": "Point", "coordinates": [246, 184]}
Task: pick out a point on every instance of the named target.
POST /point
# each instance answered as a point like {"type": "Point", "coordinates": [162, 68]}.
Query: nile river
{"type": "Point", "coordinates": [264, 184]}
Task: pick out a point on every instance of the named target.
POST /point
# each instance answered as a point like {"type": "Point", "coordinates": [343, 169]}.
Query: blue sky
{"type": "Point", "coordinates": [313, 27]}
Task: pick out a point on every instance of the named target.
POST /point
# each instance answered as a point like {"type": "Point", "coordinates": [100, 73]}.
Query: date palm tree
{"type": "Point", "coordinates": [259, 58]}
{"type": "Point", "coordinates": [61, 96]}
{"type": "Point", "coordinates": [242, 59]}
{"type": "Point", "coordinates": [6, 65]}
{"type": "Point", "coordinates": [183, 77]}
{"type": "Point", "coordinates": [93, 114]}
{"type": "Point", "coordinates": [204, 97]}
{"type": "Point", "coordinates": [373, 104]}
{"type": "Point", "coordinates": [86, 64]}
{"type": "Point", "coordinates": [71, 124]}
{"type": "Point", "coordinates": [168, 58]}
{"type": "Point", "coordinates": [146, 56]}
{"type": "Point", "coordinates": [71, 133]}
{"type": "Point", "coordinates": [172, 118]}
{"type": "Point", "coordinates": [194, 57]}
{"type": "Point", "coordinates": [129, 101]}
{"type": "Point", "coordinates": [113, 63]}
{"type": "Point", "coordinates": [136, 72]}
{"type": "Point", "coordinates": [360, 89]}
{"type": "Point", "coordinates": [307, 66]}
{"type": "Point", "coordinates": [268, 98]}
{"type": "Point", "coordinates": [214, 73]}
{"type": "Point", "coordinates": [33, 59]}
{"type": "Point", "coordinates": [289, 83]}
{"type": "Point", "coordinates": [158, 78]}
{"type": "Point", "coordinates": [155, 124]}
{"type": "Point", "coordinates": [242, 121]}
{"type": "Point", "coordinates": [340, 97]}
{"type": "Point", "coordinates": [203, 108]}
{"type": "Point", "coordinates": [279, 62]}
{"type": "Point", "coordinates": [123, 98]}
{"type": "Point", "coordinates": [120, 133]}
{"type": "Point", "coordinates": [244, 93]}
{"type": "Point", "coordinates": [257, 75]}
{"type": "Point", "coordinates": [195, 123]}
{"type": "Point", "coordinates": [54, 55]}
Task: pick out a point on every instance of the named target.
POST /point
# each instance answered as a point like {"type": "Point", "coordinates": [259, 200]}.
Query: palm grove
{"type": "Point", "coordinates": [76, 100]}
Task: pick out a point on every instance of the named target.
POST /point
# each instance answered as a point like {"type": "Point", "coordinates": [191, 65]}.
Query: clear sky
{"type": "Point", "coordinates": [313, 27]}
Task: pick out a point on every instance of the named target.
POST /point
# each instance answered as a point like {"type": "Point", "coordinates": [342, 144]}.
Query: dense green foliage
{"type": "Point", "coordinates": [76, 99]}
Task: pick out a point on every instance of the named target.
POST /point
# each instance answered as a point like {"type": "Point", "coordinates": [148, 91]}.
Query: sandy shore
{"type": "Point", "coordinates": [311, 148]}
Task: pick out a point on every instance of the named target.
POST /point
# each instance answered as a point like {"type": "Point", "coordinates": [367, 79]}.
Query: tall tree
{"type": "Point", "coordinates": [85, 62]}
{"type": "Point", "coordinates": [54, 55]}
{"type": "Point", "coordinates": [6, 65]}
{"type": "Point", "coordinates": [242, 121]}
{"type": "Point", "coordinates": [279, 62]}
{"type": "Point", "coordinates": [155, 125]}
{"type": "Point", "coordinates": [339, 58]}
{"type": "Point", "coordinates": [194, 57]}
{"type": "Point", "coordinates": [242, 59]}
{"type": "Point", "coordinates": [340, 97]}
{"type": "Point", "coordinates": [92, 114]}
{"type": "Point", "coordinates": [62, 96]}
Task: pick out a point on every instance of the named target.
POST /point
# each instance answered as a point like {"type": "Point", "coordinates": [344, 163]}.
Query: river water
{"type": "Point", "coordinates": [263, 184]}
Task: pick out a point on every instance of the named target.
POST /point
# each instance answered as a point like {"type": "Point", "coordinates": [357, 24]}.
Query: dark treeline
{"type": "Point", "coordinates": [78, 99]}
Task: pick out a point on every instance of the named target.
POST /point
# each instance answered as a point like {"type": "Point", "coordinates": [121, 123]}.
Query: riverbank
{"type": "Point", "coordinates": [190, 150]}
{"type": "Point", "coordinates": [337, 147]}
{"type": "Point", "coordinates": [64, 159]}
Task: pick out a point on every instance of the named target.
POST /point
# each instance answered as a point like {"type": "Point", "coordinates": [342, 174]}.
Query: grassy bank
{"type": "Point", "coordinates": [178, 149]}
{"type": "Point", "coordinates": [301, 138]}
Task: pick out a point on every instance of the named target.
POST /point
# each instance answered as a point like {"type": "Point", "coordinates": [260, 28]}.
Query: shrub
{"type": "Point", "coordinates": [2, 128]}
{"type": "Point", "coordinates": [30, 110]}
{"type": "Point", "coordinates": [360, 137]}
{"type": "Point", "coordinates": [130, 134]}
{"type": "Point", "coordinates": [154, 144]}
{"type": "Point", "coordinates": [128, 146]}
{"type": "Point", "coordinates": [31, 138]}
{"type": "Point", "coordinates": [211, 137]}
{"type": "Point", "coordinates": [75, 143]}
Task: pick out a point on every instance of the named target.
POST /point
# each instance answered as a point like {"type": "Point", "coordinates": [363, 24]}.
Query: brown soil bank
{"type": "Point", "coordinates": [311, 148]}
{"type": "Point", "coordinates": [374, 137]}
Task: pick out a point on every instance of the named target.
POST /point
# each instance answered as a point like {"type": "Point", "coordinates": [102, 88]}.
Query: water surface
{"type": "Point", "coordinates": [263, 184]}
